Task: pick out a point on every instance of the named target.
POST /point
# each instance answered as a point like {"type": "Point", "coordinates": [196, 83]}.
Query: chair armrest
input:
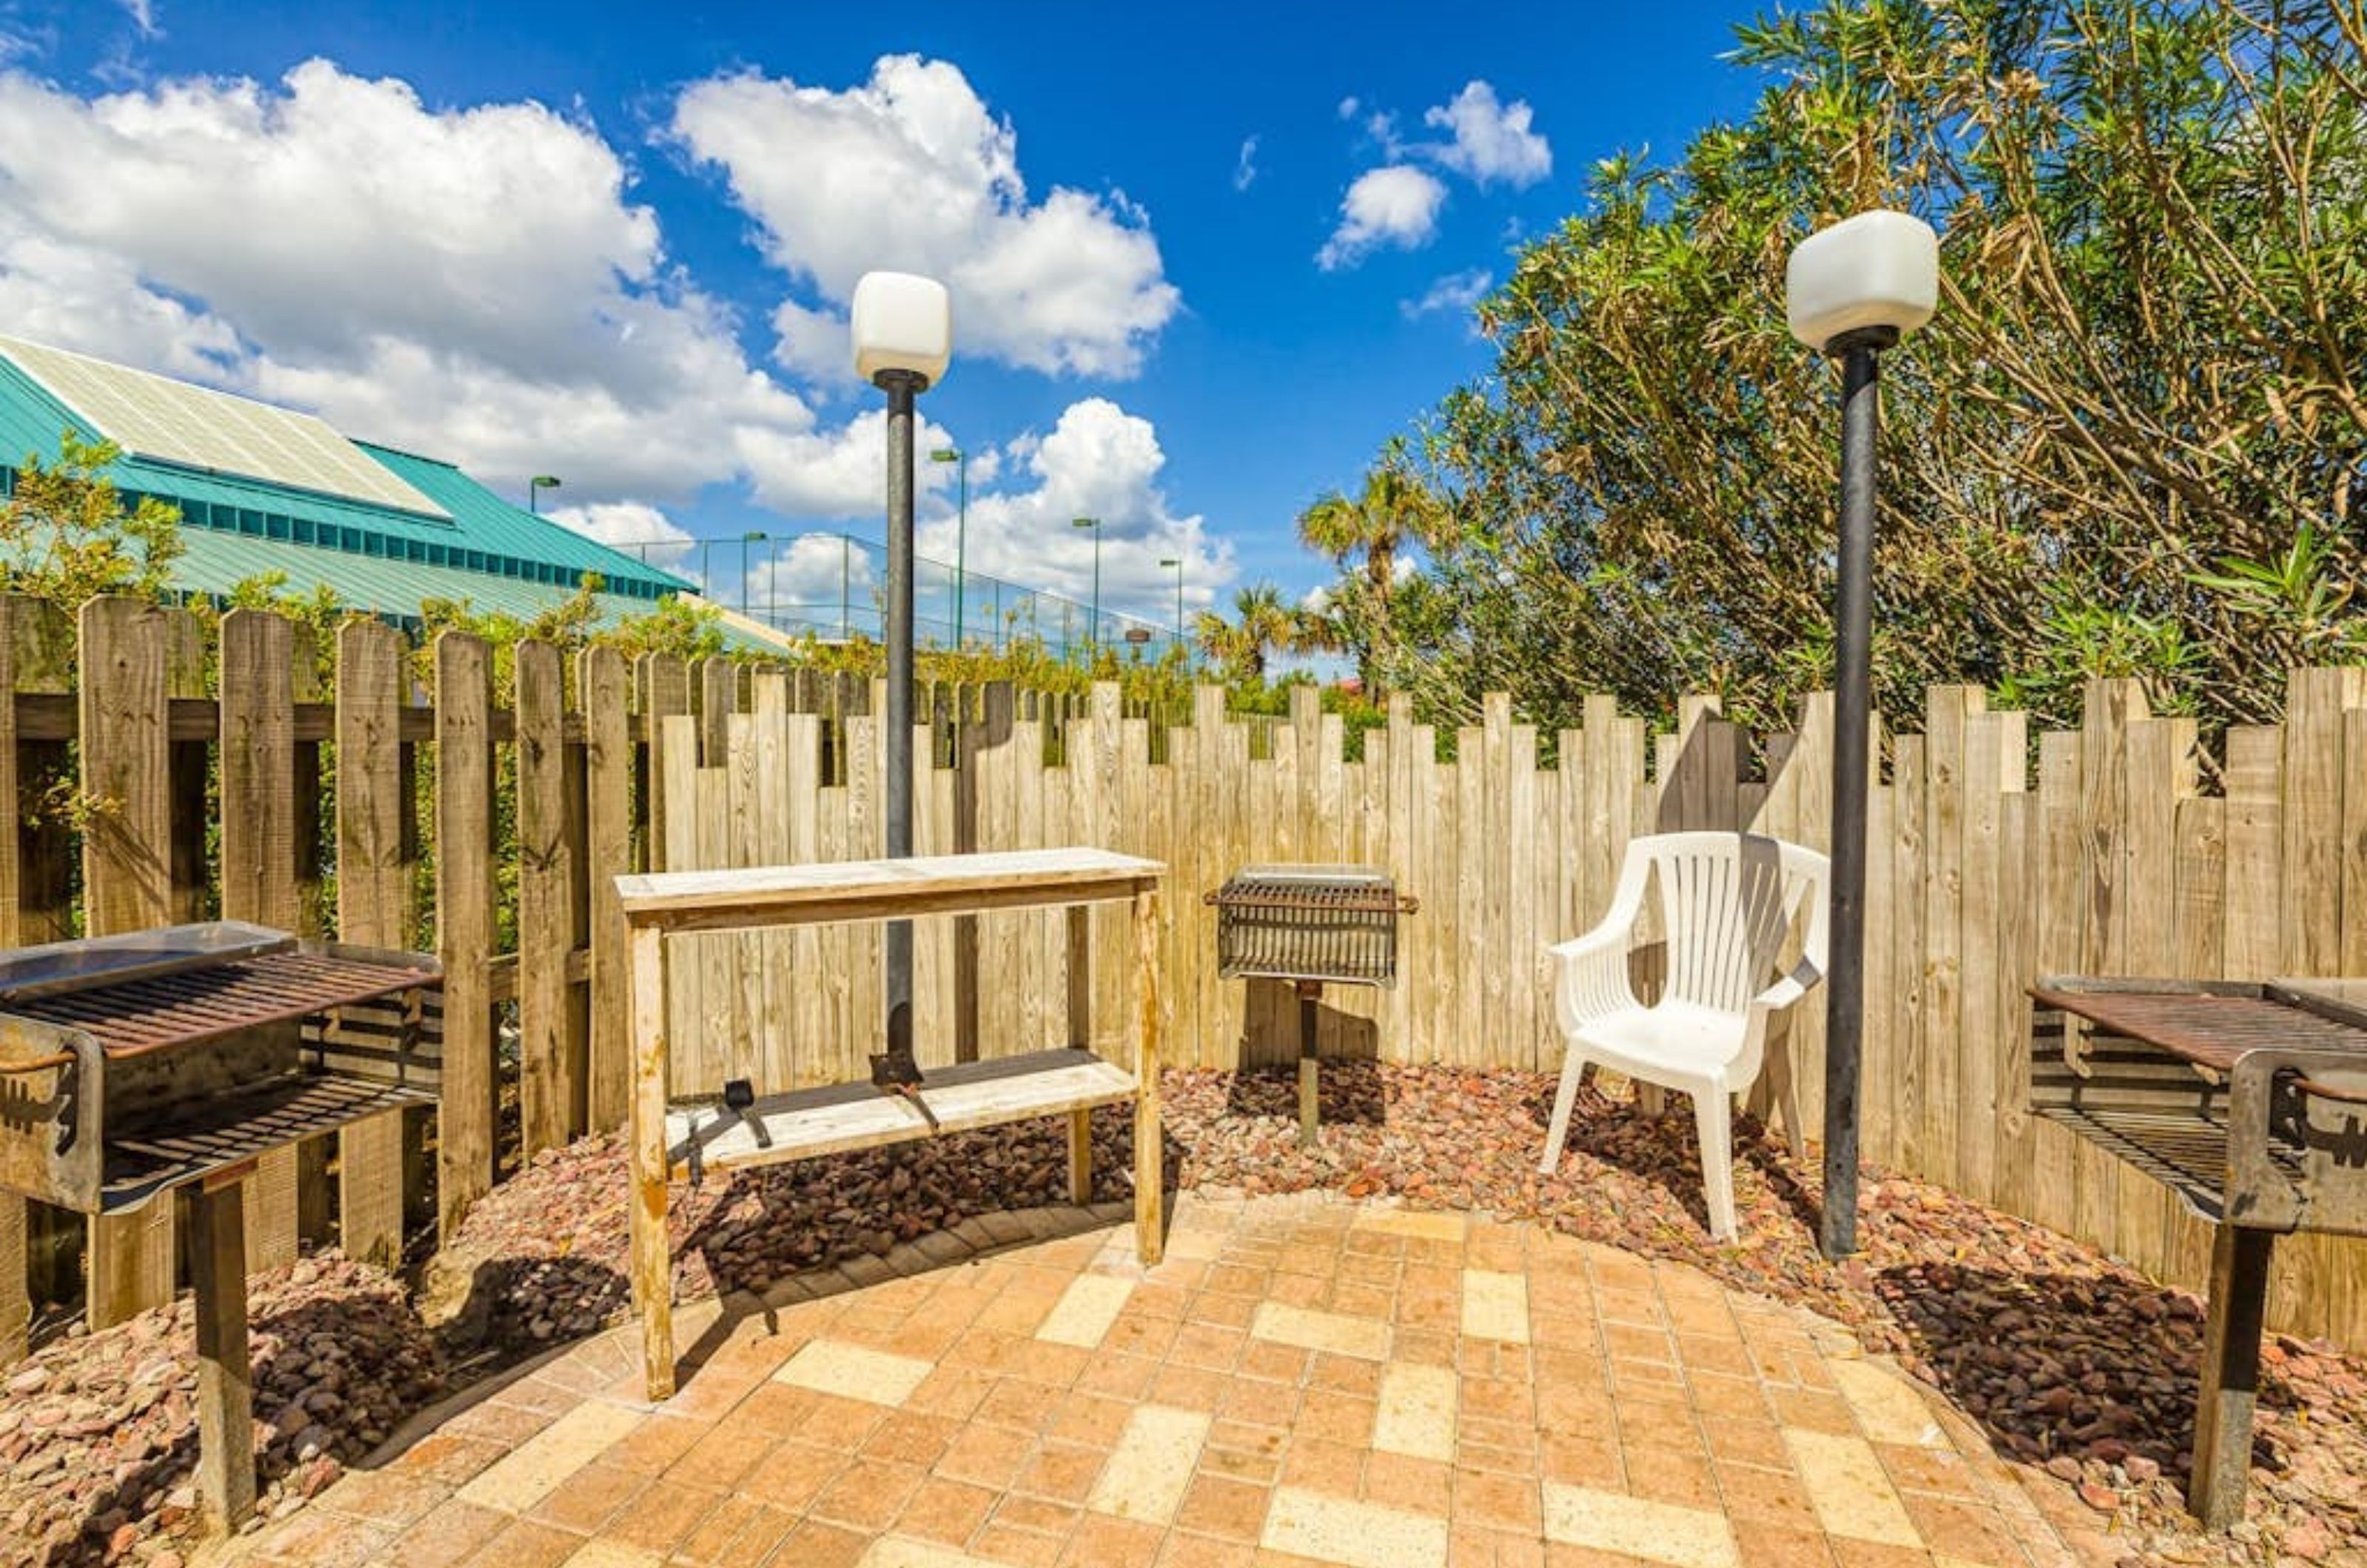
{"type": "Point", "coordinates": [1590, 976]}
{"type": "Point", "coordinates": [1786, 992]}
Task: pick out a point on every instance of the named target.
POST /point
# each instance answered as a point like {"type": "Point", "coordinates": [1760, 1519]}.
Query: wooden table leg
{"type": "Point", "coordinates": [1150, 1161]}
{"type": "Point", "coordinates": [216, 1240]}
{"type": "Point", "coordinates": [1309, 1082]}
{"type": "Point", "coordinates": [653, 1263]}
{"type": "Point", "coordinates": [1080, 1157]}
{"type": "Point", "coordinates": [2231, 1374]}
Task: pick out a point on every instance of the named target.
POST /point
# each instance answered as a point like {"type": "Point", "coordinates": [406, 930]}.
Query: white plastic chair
{"type": "Point", "coordinates": [1728, 902]}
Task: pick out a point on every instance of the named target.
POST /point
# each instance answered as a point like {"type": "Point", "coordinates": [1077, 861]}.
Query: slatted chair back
{"type": "Point", "coordinates": [1728, 903]}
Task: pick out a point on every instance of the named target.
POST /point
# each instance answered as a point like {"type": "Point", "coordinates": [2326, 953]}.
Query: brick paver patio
{"type": "Point", "coordinates": [1304, 1381]}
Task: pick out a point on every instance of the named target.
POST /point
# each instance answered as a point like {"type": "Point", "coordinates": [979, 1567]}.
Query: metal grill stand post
{"type": "Point", "coordinates": [1308, 925]}
{"type": "Point", "coordinates": [216, 1250]}
{"type": "Point", "coordinates": [1310, 993]}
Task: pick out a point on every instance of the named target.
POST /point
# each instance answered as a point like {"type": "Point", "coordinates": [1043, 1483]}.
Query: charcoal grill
{"type": "Point", "coordinates": [170, 1061]}
{"type": "Point", "coordinates": [2250, 1102]}
{"type": "Point", "coordinates": [1311, 925]}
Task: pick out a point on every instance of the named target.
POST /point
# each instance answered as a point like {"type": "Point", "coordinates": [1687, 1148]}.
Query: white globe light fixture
{"type": "Point", "coordinates": [903, 331]}
{"type": "Point", "coordinates": [1851, 291]}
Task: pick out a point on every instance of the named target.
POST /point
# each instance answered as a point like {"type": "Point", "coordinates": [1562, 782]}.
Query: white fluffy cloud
{"type": "Point", "coordinates": [640, 530]}
{"type": "Point", "coordinates": [1396, 205]}
{"type": "Point", "coordinates": [471, 283]}
{"type": "Point", "coordinates": [479, 283]}
{"type": "Point", "coordinates": [1457, 292]}
{"type": "Point", "coordinates": [1490, 141]}
{"type": "Point", "coordinates": [912, 171]}
{"type": "Point", "coordinates": [1098, 461]}
{"type": "Point", "coordinates": [1245, 171]}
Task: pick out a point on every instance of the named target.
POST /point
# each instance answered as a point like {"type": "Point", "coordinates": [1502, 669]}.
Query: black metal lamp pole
{"type": "Point", "coordinates": [897, 1068]}
{"type": "Point", "coordinates": [1860, 354]}
{"type": "Point", "coordinates": [1851, 290]}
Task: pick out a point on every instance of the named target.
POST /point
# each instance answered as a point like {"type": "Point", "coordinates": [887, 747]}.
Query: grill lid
{"type": "Point", "coordinates": [75, 965]}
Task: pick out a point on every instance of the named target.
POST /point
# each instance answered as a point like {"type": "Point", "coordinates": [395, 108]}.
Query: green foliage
{"type": "Point", "coordinates": [66, 536]}
{"type": "Point", "coordinates": [2132, 441]}
{"type": "Point", "coordinates": [674, 626]}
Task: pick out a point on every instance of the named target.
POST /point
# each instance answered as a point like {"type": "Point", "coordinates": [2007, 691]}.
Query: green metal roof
{"type": "Point", "coordinates": [493, 554]}
{"type": "Point", "coordinates": [215, 563]}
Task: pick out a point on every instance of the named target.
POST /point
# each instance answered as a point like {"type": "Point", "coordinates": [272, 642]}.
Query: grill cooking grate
{"type": "Point", "coordinates": [1309, 923]}
{"type": "Point", "coordinates": [187, 1007]}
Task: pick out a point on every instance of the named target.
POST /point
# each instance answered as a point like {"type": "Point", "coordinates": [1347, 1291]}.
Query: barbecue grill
{"type": "Point", "coordinates": [1309, 925]}
{"type": "Point", "coordinates": [2250, 1102]}
{"type": "Point", "coordinates": [137, 1066]}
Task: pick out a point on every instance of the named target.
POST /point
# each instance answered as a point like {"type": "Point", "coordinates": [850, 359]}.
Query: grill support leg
{"type": "Point", "coordinates": [216, 1239]}
{"type": "Point", "coordinates": [2231, 1374]}
{"type": "Point", "coordinates": [1309, 993]}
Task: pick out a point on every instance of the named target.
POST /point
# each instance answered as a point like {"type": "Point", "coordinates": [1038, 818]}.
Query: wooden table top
{"type": "Point", "coordinates": [882, 889]}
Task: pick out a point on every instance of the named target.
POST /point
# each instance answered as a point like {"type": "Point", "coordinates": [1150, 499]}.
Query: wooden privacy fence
{"type": "Point", "coordinates": [219, 777]}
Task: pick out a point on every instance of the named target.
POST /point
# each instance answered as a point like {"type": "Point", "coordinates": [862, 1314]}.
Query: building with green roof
{"type": "Point", "coordinates": [262, 489]}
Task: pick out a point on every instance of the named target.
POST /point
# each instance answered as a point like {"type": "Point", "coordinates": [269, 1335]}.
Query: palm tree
{"type": "Point", "coordinates": [1364, 536]}
{"type": "Point", "coordinates": [1262, 625]}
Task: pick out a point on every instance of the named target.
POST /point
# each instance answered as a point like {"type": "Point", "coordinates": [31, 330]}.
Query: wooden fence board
{"type": "Point", "coordinates": [552, 1045]}
{"type": "Point", "coordinates": [1911, 1092]}
{"type": "Point", "coordinates": [602, 683]}
{"type": "Point", "coordinates": [373, 908]}
{"type": "Point", "coordinates": [15, 1267]}
{"type": "Point", "coordinates": [127, 882]}
{"type": "Point", "coordinates": [258, 857]}
{"type": "Point", "coordinates": [2057, 919]}
{"type": "Point", "coordinates": [464, 924]}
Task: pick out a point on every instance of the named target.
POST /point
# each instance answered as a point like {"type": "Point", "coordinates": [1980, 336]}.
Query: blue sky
{"type": "Point", "coordinates": [1205, 258]}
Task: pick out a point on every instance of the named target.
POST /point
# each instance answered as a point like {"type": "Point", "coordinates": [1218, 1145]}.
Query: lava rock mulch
{"type": "Point", "coordinates": [2072, 1364]}
{"type": "Point", "coordinates": [98, 1445]}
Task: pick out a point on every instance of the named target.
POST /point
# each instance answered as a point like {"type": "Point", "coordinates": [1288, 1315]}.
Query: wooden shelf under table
{"type": "Point", "coordinates": [841, 1118]}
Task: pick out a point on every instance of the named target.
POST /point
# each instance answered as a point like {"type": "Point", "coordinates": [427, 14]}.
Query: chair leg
{"type": "Point", "coordinates": [1573, 1065]}
{"type": "Point", "coordinates": [1713, 1113]}
{"type": "Point", "coordinates": [1788, 1088]}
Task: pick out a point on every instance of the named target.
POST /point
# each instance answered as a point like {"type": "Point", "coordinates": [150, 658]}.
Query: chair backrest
{"type": "Point", "coordinates": [1728, 901]}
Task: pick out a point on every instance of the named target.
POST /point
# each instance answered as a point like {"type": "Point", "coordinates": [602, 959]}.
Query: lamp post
{"type": "Point", "coordinates": [1853, 290]}
{"type": "Point", "coordinates": [902, 327]}
{"type": "Point", "coordinates": [961, 458]}
{"type": "Point", "coordinates": [1177, 563]}
{"type": "Point", "coordinates": [536, 486]}
{"type": "Point", "coordinates": [1093, 628]}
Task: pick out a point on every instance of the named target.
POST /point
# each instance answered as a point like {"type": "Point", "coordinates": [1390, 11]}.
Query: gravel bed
{"type": "Point", "coordinates": [2071, 1363]}
{"type": "Point", "coordinates": [98, 1431]}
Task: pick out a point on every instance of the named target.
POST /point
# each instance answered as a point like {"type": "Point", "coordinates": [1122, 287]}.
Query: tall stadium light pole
{"type": "Point", "coordinates": [1177, 563]}
{"type": "Point", "coordinates": [1853, 290]}
{"type": "Point", "coordinates": [902, 327]}
{"type": "Point", "coordinates": [961, 458]}
{"type": "Point", "coordinates": [1093, 628]}
{"type": "Point", "coordinates": [536, 486]}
